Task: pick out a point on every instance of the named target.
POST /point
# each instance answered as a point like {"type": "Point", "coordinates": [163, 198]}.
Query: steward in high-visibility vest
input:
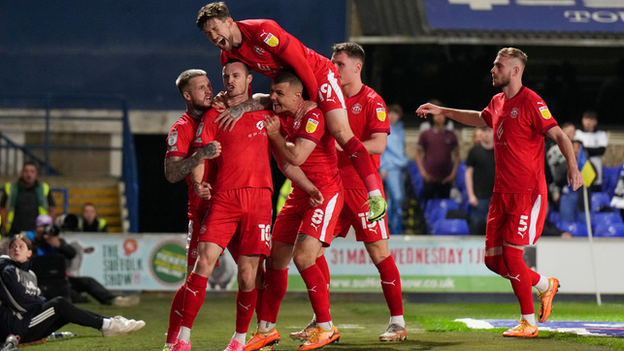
{"type": "Point", "coordinates": [22, 206]}
{"type": "Point", "coordinates": [89, 221]}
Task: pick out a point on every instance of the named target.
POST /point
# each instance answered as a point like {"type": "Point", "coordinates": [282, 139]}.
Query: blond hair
{"type": "Point", "coordinates": [516, 53]}
{"type": "Point", "coordinates": [185, 77]}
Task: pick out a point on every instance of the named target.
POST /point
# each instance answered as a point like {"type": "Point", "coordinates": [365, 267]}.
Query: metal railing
{"type": "Point", "coordinates": [37, 107]}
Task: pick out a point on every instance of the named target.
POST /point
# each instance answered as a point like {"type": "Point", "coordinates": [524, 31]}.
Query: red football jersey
{"type": "Point", "coordinates": [268, 49]}
{"type": "Point", "coordinates": [367, 115]}
{"type": "Point", "coordinates": [321, 167]}
{"type": "Point", "coordinates": [519, 125]}
{"type": "Point", "coordinates": [245, 155]}
{"type": "Point", "coordinates": [180, 143]}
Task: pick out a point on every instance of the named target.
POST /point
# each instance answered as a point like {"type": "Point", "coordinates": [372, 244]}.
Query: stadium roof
{"type": "Point", "coordinates": [585, 23]}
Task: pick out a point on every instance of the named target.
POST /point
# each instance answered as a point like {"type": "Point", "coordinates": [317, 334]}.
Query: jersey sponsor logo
{"type": "Point", "coordinates": [514, 112]}
{"type": "Point", "coordinates": [357, 108]}
{"type": "Point", "coordinates": [259, 50]}
{"type": "Point", "coordinates": [499, 131]}
{"type": "Point", "coordinates": [172, 148]}
{"type": "Point", "coordinates": [545, 112]}
{"type": "Point", "coordinates": [270, 39]}
{"type": "Point", "coordinates": [263, 67]}
{"type": "Point", "coordinates": [200, 128]}
{"type": "Point", "coordinates": [381, 113]}
{"type": "Point", "coordinates": [523, 225]}
{"type": "Point", "coordinates": [311, 125]}
{"type": "Point", "coordinates": [173, 138]}
{"type": "Point", "coordinates": [317, 218]}
{"type": "Point", "coordinates": [260, 125]}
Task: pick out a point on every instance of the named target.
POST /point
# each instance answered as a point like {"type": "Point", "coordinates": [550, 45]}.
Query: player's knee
{"type": "Point", "coordinates": [304, 261]}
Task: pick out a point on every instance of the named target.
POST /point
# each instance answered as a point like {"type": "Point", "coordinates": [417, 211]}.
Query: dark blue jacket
{"type": "Point", "coordinates": [20, 297]}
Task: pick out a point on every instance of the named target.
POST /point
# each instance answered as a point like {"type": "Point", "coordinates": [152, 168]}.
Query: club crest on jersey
{"type": "Point", "coordinates": [173, 138]}
{"type": "Point", "coordinates": [271, 40]}
{"type": "Point", "coordinates": [545, 112]}
{"type": "Point", "coordinates": [514, 112]}
{"type": "Point", "coordinates": [311, 125]}
{"type": "Point", "coordinates": [200, 127]}
{"type": "Point", "coordinates": [297, 124]}
{"type": "Point", "coordinates": [357, 108]}
{"type": "Point", "coordinates": [381, 113]}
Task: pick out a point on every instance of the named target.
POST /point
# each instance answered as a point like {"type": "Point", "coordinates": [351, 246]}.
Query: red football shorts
{"type": "Point", "coordinates": [242, 216]}
{"type": "Point", "coordinates": [516, 218]}
{"type": "Point", "coordinates": [354, 213]}
{"type": "Point", "coordinates": [329, 92]}
{"type": "Point", "coordinates": [196, 217]}
{"type": "Point", "coordinates": [298, 217]}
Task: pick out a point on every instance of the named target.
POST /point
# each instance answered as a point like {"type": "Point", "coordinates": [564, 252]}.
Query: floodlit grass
{"type": "Point", "coordinates": [430, 327]}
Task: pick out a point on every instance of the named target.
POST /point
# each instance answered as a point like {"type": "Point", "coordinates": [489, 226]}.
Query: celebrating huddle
{"type": "Point", "coordinates": [330, 155]}
{"type": "Point", "coordinates": [326, 130]}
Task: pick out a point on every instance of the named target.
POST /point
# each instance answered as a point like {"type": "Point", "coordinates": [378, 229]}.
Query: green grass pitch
{"type": "Point", "coordinates": [430, 327]}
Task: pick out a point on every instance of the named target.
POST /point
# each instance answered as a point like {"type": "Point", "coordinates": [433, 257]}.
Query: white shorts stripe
{"type": "Point", "coordinates": [382, 227]}
{"type": "Point", "coordinates": [329, 212]}
{"type": "Point", "coordinates": [41, 317]}
{"type": "Point", "coordinates": [535, 211]}
{"type": "Point", "coordinates": [336, 87]}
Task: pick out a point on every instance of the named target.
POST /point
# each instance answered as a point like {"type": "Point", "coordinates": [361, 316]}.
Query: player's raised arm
{"type": "Point", "coordinates": [468, 117]}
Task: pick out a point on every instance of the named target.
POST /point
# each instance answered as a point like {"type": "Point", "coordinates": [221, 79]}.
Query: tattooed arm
{"type": "Point", "coordinates": [232, 114]}
{"type": "Point", "coordinates": [176, 168]}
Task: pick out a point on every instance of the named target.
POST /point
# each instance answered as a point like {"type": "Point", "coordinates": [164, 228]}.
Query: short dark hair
{"type": "Point", "coordinates": [23, 238]}
{"type": "Point", "coordinates": [213, 10]}
{"type": "Point", "coordinates": [247, 68]}
{"type": "Point", "coordinates": [590, 114]}
{"type": "Point", "coordinates": [567, 124]}
{"type": "Point", "coordinates": [288, 76]}
{"type": "Point", "coordinates": [185, 77]}
{"type": "Point", "coordinates": [31, 163]}
{"type": "Point", "coordinates": [396, 108]}
{"type": "Point", "coordinates": [351, 49]}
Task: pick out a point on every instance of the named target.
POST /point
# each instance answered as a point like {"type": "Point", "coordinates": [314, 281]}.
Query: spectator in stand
{"type": "Point", "coordinates": [23, 200]}
{"type": "Point", "coordinates": [476, 136]}
{"type": "Point", "coordinates": [47, 241]}
{"type": "Point", "coordinates": [392, 168]}
{"type": "Point", "coordinates": [89, 220]}
{"type": "Point", "coordinates": [480, 169]}
{"type": "Point", "coordinates": [595, 144]}
{"type": "Point", "coordinates": [426, 125]}
{"type": "Point", "coordinates": [559, 191]}
{"type": "Point", "coordinates": [437, 158]}
{"type": "Point", "coordinates": [618, 197]}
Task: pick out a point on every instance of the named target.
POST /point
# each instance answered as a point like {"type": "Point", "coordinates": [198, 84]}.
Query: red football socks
{"type": "Point", "coordinates": [361, 161]}
{"type": "Point", "coordinates": [317, 292]}
{"type": "Point", "coordinates": [321, 262]}
{"type": "Point", "coordinates": [175, 315]}
{"type": "Point", "coordinates": [245, 303]}
{"type": "Point", "coordinates": [520, 278]}
{"type": "Point", "coordinates": [275, 285]}
{"type": "Point", "coordinates": [391, 285]}
{"type": "Point", "coordinates": [193, 298]}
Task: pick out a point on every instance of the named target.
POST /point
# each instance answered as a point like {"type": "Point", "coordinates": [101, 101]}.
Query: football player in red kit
{"type": "Point", "coordinates": [268, 49]}
{"type": "Point", "coordinates": [239, 217]}
{"type": "Point", "coordinates": [300, 231]}
{"type": "Point", "coordinates": [180, 160]}
{"type": "Point", "coordinates": [368, 120]}
{"type": "Point", "coordinates": [520, 120]}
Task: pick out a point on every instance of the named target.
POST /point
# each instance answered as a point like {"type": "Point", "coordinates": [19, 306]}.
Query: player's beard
{"type": "Point", "coordinates": [502, 82]}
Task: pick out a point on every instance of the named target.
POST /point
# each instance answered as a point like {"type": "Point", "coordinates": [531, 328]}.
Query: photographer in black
{"type": "Point", "coordinates": [46, 240]}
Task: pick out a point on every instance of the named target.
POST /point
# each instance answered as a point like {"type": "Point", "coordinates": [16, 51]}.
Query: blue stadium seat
{"type": "Point", "coordinates": [609, 179]}
{"type": "Point", "coordinates": [574, 228]}
{"type": "Point", "coordinates": [436, 214]}
{"type": "Point", "coordinates": [553, 216]}
{"type": "Point", "coordinates": [416, 179]}
{"type": "Point", "coordinates": [449, 204]}
{"type": "Point", "coordinates": [600, 218]}
{"type": "Point", "coordinates": [451, 227]}
{"type": "Point", "coordinates": [460, 179]}
{"type": "Point", "coordinates": [610, 230]}
{"type": "Point", "coordinates": [599, 200]}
